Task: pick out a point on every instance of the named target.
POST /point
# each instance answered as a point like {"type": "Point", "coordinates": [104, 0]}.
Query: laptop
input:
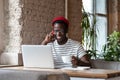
{"type": "Point", "coordinates": [37, 56]}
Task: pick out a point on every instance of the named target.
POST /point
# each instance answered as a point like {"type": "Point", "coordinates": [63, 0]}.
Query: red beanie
{"type": "Point", "coordinates": [60, 18]}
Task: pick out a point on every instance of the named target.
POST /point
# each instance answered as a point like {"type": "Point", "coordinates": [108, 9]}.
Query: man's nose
{"type": "Point", "coordinates": [58, 33]}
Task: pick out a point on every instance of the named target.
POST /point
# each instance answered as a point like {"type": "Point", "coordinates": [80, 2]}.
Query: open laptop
{"type": "Point", "coordinates": [37, 56]}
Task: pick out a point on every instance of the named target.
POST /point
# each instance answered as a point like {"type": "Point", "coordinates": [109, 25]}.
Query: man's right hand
{"type": "Point", "coordinates": [49, 38]}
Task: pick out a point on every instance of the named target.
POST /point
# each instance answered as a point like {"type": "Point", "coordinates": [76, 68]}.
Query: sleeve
{"type": "Point", "coordinates": [81, 52]}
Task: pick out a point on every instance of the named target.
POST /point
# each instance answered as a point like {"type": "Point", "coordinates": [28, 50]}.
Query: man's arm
{"type": "Point", "coordinates": [45, 41]}
{"type": "Point", "coordinates": [83, 61]}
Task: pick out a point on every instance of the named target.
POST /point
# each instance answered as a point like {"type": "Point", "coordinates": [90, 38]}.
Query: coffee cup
{"type": "Point", "coordinates": [66, 59]}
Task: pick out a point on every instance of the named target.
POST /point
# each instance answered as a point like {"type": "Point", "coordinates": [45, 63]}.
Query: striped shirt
{"type": "Point", "coordinates": [71, 47]}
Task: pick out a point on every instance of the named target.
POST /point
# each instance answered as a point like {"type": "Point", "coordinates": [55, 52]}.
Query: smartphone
{"type": "Point", "coordinates": [53, 34]}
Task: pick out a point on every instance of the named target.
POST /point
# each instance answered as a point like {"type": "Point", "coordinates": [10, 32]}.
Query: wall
{"type": "Point", "coordinates": [113, 15]}
{"type": "Point", "coordinates": [37, 16]}
{"type": "Point", "coordinates": [118, 5]}
{"type": "Point", "coordinates": [2, 34]}
{"type": "Point", "coordinates": [74, 16]}
{"type": "Point", "coordinates": [12, 29]}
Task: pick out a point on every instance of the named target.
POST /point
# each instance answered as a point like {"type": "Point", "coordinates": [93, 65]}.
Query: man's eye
{"type": "Point", "coordinates": [62, 31]}
{"type": "Point", "coordinates": [56, 31]}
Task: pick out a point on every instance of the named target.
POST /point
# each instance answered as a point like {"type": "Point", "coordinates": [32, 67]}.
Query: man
{"type": "Point", "coordinates": [63, 46]}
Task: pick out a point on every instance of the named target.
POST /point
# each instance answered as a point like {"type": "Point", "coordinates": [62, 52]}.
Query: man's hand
{"type": "Point", "coordinates": [74, 61]}
{"type": "Point", "coordinates": [49, 38]}
{"type": "Point", "coordinates": [83, 61]}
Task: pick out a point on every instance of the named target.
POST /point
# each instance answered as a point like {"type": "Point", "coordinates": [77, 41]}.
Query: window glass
{"type": "Point", "coordinates": [101, 6]}
{"type": "Point", "coordinates": [88, 5]}
{"type": "Point", "coordinates": [101, 31]}
{"type": "Point", "coordinates": [99, 9]}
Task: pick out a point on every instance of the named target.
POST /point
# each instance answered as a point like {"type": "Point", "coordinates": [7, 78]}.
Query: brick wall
{"type": "Point", "coordinates": [37, 16]}
{"type": "Point", "coordinates": [114, 15]}
{"type": "Point", "coordinates": [74, 16]}
{"type": "Point", "coordinates": [118, 15]}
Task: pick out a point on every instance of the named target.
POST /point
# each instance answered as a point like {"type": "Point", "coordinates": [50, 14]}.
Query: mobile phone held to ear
{"type": "Point", "coordinates": [52, 32]}
{"type": "Point", "coordinates": [53, 35]}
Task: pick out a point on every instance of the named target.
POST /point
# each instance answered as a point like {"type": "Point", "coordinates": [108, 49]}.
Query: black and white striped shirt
{"type": "Point", "coordinates": [71, 47]}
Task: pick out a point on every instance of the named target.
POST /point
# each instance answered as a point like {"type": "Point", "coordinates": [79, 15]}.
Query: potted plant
{"type": "Point", "coordinates": [89, 34]}
{"type": "Point", "coordinates": [110, 53]}
{"type": "Point", "coordinates": [111, 50]}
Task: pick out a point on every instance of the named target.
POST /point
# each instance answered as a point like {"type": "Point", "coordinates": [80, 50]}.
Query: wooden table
{"type": "Point", "coordinates": [90, 74]}
{"type": "Point", "coordinates": [3, 66]}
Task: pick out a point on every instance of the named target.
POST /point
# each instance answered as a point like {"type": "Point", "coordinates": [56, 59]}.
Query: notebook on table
{"type": "Point", "coordinates": [37, 56]}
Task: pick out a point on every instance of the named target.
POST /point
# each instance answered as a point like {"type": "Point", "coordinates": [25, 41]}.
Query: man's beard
{"type": "Point", "coordinates": [61, 40]}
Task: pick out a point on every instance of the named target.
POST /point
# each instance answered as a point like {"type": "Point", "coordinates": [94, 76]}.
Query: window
{"type": "Point", "coordinates": [99, 9]}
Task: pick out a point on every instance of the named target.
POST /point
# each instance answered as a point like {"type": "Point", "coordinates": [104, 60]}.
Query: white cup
{"type": "Point", "coordinates": [66, 59]}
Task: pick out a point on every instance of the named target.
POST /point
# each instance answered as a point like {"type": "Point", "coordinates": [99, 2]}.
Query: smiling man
{"type": "Point", "coordinates": [63, 46]}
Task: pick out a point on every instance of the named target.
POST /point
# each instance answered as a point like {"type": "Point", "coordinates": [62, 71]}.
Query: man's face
{"type": "Point", "coordinates": [59, 32]}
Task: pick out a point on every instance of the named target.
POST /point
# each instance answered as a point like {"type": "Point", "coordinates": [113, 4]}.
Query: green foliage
{"type": "Point", "coordinates": [92, 53]}
{"type": "Point", "coordinates": [88, 33]}
{"type": "Point", "coordinates": [111, 50]}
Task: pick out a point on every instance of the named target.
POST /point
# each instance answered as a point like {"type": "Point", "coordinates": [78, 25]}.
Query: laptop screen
{"type": "Point", "coordinates": [37, 56]}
